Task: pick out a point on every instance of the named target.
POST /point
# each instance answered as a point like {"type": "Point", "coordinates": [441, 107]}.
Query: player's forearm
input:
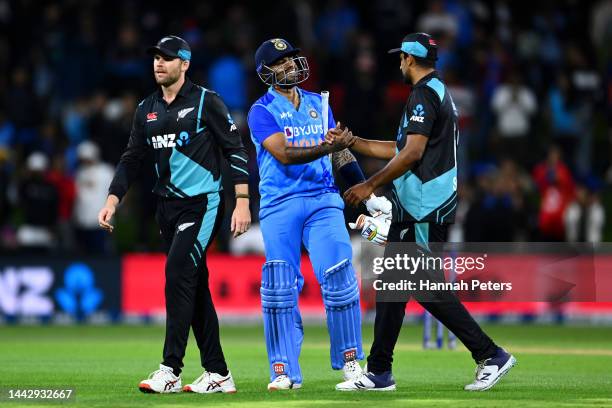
{"type": "Point", "coordinates": [242, 194]}
{"type": "Point", "coordinates": [301, 155]}
{"type": "Point", "coordinates": [111, 201]}
{"type": "Point", "coordinates": [129, 165]}
{"type": "Point", "coordinates": [345, 163]}
{"type": "Point", "coordinates": [126, 173]}
{"type": "Point", "coordinates": [237, 159]}
{"type": "Point", "coordinates": [399, 165]}
{"type": "Point", "coordinates": [374, 148]}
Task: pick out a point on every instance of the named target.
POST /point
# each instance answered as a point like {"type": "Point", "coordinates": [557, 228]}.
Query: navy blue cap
{"type": "Point", "coordinates": [419, 45]}
{"type": "Point", "coordinates": [172, 46]}
{"type": "Point", "coordinates": [273, 50]}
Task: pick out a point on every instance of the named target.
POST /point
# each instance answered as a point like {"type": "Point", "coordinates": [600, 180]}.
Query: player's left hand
{"type": "Point", "coordinates": [373, 229]}
{"type": "Point", "coordinates": [241, 218]}
{"type": "Point", "coordinates": [356, 194]}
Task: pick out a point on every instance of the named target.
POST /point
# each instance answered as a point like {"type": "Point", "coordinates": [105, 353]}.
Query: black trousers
{"type": "Point", "coordinates": [188, 226]}
{"type": "Point", "coordinates": [450, 311]}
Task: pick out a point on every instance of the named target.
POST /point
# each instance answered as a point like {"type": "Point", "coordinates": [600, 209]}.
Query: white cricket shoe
{"type": "Point", "coordinates": [283, 382]}
{"type": "Point", "coordinates": [209, 383]}
{"type": "Point", "coordinates": [161, 381]}
{"type": "Point", "coordinates": [491, 370]}
{"type": "Point", "coordinates": [369, 382]}
{"type": "Point", "coordinates": [352, 370]}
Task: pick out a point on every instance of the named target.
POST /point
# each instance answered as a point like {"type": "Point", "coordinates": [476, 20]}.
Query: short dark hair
{"type": "Point", "coordinates": [422, 62]}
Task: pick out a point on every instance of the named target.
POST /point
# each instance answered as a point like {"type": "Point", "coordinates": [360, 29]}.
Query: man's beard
{"type": "Point", "coordinates": [288, 80]}
{"type": "Point", "coordinates": [168, 81]}
{"type": "Point", "coordinates": [285, 86]}
{"type": "Point", "coordinates": [406, 78]}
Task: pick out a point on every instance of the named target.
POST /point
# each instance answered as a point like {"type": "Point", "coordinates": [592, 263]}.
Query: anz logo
{"type": "Point", "coordinates": [163, 141]}
{"type": "Point", "coordinates": [418, 114]}
{"type": "Point", "coordinates": [170, 140]}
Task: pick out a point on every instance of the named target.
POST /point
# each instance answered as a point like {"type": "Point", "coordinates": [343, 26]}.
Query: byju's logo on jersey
{"type": "Point", "coordinates": [418, 114]}
{"type": "Point", "coordinates": [163, 141]}
{"type": "Point", "coordinates": [296, 131]}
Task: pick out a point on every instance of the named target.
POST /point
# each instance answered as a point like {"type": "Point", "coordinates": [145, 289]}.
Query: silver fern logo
{"type": "Point", "coordinates": [183, 112]}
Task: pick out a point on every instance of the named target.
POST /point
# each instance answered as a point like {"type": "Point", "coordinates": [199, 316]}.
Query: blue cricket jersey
{"type": "Point", "coordinates": [303, 127]}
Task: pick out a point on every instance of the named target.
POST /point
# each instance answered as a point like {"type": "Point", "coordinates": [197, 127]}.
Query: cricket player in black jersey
{"type": "Point", "coordinates": [187, 128]}
{"type": "Point", "coordinates": [423, 169]}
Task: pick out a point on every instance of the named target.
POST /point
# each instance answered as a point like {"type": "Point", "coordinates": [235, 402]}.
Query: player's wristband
{"type": "Point", "coordinates": [352, 174]}
{"type": "Point", "coordinates": [242, 196]}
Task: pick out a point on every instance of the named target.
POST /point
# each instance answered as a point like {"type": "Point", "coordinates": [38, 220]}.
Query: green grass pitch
{"type": "Point", "coordinates": [557, 367]}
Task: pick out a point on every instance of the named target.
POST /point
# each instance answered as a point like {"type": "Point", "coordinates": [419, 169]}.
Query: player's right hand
{"type": "Point", "coordinates": [330, 136]}
{"type": "Point", "coordinates": [379, 205]}
{"type": "Point", "coordinates": [104, 217]}
{"type": "Point", "coordinates": [340, 137]}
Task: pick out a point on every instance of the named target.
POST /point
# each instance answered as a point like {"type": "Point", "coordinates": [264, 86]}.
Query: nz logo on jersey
{"type": "Point", "coordinates": [418, 114]}
{"type": "Point", "coordinates": [170, 140]}
{"type": "Point", "coordinates": [163, 141]}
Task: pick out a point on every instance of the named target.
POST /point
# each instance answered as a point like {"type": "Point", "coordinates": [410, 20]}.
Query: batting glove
{"type": "Point", "coordinates": [377, 205]}
{"type": "Point", "coordinates": [373, 229]}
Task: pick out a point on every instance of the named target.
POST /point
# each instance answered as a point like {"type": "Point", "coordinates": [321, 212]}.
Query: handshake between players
{"type": "Point", "coordinates": [374, 228]}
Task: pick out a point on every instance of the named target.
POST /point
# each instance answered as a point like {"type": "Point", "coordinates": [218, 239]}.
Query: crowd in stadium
{"type": "Point", "coordinates": [532, 90]}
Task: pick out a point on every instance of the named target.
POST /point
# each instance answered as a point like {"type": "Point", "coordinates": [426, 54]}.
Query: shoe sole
{"type": "Point", "coordinates": [146, 388]}
{"type": "Point", "coordinates": [293, 387]}
{"type": "Point", "coordinates": [389, 388]}
{"type": "Point", "coordinates": [189, 390]}
{"type": "Point", "coordinates": [509, 364]}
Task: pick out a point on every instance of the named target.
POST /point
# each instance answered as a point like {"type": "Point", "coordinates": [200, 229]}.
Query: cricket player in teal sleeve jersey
{"type": "Point", "coordinates": [423, 170]}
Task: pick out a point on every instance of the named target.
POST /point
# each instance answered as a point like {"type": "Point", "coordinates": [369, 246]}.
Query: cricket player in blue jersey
{"type": "Point", "coordinates": [300, 204]}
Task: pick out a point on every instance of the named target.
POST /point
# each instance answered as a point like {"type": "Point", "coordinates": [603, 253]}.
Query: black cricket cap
{"type": "Point", "coordinates": [172, 46]}
{"type": "Point", "coordinates": [420, 45]}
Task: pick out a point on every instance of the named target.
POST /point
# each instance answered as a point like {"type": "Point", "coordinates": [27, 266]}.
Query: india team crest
{"type": "Point", "coordinates": [313, 114]}
{"type": "Point", "coordinates": [279, 44]}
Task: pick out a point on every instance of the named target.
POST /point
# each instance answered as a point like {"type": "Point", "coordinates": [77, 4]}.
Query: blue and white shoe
{"type": "Point", "coordinates": [369, 382]}
{"type": "Point", "coordinates": [283, 382]}
{"type": "Point", "coordinates": [491, 370]}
